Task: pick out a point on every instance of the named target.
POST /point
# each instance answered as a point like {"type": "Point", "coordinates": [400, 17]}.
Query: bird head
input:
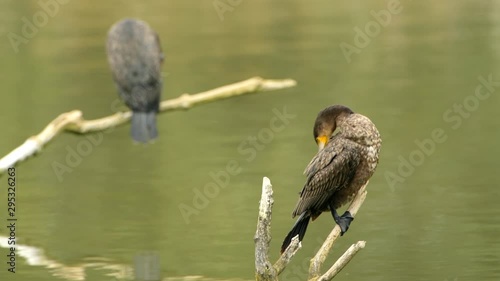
{"type": "Point", "coordinates": [327, 121]}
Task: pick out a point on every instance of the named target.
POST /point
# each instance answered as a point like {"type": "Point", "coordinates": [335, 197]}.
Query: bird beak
{"type": "Point", "coordinates": [322, 141]}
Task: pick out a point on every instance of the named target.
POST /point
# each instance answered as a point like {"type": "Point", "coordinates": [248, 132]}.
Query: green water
{"type": "Point", "coordinates": [432, 210]}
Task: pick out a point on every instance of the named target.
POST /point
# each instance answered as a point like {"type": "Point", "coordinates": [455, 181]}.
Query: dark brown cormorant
{"type": "Point", "coordinates": [135, 57]}
{"type": "Point", "coordinates": [344, 163]}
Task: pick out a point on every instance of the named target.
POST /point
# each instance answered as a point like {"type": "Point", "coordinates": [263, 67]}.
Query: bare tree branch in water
{"type": "Point", "coordinates": [262, 239]}
{"type": "Point", "coordinates": [73, 121]}
{"type": "Point", "coordinates": [321, 255]}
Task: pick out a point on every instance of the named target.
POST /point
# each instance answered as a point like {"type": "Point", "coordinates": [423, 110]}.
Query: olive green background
{"type": "Point", "coordinates": [432, 213]}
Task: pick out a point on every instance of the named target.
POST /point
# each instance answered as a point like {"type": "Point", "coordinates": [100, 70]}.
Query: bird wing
{"type": "Point", "coordinates": [330, 170]}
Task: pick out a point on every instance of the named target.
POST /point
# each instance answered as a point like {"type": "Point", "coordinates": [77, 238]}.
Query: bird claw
{"type": "Point", "coordinates": [344, 222]}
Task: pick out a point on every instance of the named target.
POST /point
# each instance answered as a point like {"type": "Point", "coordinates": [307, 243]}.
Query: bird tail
{"type": "Point", "coordinates": [299, 228]}
{"type": "Point", "coordinates": [143, 126]}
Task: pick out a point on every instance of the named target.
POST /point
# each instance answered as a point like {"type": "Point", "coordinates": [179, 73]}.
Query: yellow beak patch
{"type": "Point", "coordinates": [322, 141]}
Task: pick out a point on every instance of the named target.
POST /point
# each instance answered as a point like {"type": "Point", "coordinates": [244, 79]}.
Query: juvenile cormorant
{"type": "Point", "coordinates": [135, 57]}
{"type": "Point", "coordinates": [344, 163]}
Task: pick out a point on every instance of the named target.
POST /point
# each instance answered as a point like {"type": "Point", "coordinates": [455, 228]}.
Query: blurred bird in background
{"type": "Point", "coordinates": [135, 57]}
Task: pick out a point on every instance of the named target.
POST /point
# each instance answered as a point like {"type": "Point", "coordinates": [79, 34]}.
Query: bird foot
{"type": "Point", "coordinates": [344, 222]}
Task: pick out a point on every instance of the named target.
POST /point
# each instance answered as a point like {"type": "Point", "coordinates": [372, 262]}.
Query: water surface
{"type": "Point", "coordinates": [439, 220]}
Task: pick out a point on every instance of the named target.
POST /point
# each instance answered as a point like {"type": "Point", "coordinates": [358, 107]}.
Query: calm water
{"type": "Point", "coordinates": [432, 210]}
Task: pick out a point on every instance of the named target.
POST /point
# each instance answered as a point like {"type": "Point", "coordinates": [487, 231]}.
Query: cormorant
{"type": "Point", "coordinates": [344, 163]}
{"type": "Point", "coordinates": [135, 57]}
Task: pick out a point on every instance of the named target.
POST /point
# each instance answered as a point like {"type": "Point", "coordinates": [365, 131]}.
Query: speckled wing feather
{"type": "Point", "coordinates": [332, 169]}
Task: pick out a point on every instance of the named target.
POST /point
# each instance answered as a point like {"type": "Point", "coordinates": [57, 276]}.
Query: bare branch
{"type": "Point", "coordinates": [35, 143]}
{"type": "Point", "coordinates": [262, 238]}
{"type": "Point", "coordinates": [186, 101]}
{"type": "Point", "coordinates": [287, 255]}
{"type": "Point", "coordinates": [73, 121]}
{"type": "Point", "coordinates": [320, 257]}
{"type": "Point", "coordinates": [342, 261]}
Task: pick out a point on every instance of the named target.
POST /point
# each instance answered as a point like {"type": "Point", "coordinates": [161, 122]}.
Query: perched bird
{"type": "Point", "coordinates": [135, 58]}
{"type": "Point", "coordinates": [344, 163]}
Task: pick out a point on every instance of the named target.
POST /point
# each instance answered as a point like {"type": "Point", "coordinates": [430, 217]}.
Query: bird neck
{"type": "Point", "coordinates": [359, 129]}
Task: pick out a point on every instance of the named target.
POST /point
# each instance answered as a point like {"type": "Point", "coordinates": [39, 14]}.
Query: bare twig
{"type": "Point", "coordinates": [73, 121]}
{"type": "Point", "coordinates": [262, 238]}
{"type": "Point", "coordinates": [342, 261]}
{"type": "Point", "coordinates": [287, 255]}
{"type": "Point", "coordinates": [320, 257]}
